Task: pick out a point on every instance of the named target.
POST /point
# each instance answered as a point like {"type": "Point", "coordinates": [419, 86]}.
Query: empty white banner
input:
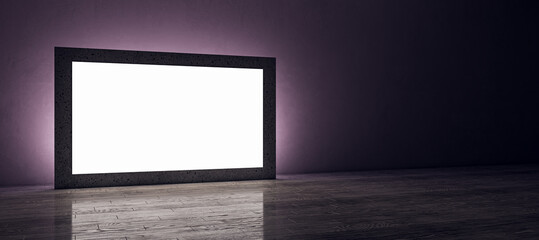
{"type": "Point", "coordinates": [141, 117]}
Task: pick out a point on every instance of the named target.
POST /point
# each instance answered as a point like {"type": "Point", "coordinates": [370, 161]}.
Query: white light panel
{"type": "Point", "coordinates": [141, 118]}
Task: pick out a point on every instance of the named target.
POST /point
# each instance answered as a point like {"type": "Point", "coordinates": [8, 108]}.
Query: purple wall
{"type": "Point", "coordinates": [360, 84]}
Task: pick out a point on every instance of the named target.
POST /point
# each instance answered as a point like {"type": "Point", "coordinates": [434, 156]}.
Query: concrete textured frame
{"type": "Point", "coordinates": [63, 177]}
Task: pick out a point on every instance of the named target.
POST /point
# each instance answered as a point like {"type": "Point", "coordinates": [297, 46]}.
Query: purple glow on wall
{"type": "Point", "coordinates": [360, 84]}
{"type": "Point", "coordinates": [31, 29]}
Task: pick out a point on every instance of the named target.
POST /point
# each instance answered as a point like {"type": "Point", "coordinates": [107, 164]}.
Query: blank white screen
{"type": "Point", "coordinates": [140, 118]}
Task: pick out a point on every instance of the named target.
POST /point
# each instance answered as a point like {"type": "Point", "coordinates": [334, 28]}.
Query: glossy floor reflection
{"type": "Point", "coordinates": [464, 203]}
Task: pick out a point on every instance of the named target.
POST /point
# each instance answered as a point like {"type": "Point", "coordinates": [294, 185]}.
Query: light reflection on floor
{"type": "Point", "coordinates": [170, 211]}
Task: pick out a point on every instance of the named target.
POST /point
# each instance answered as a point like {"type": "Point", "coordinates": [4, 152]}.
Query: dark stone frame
{"type": "Point", "coordinates": [63, 177]}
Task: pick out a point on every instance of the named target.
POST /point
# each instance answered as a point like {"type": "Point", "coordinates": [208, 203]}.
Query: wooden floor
{"type": "Point", "coordinates": [454, 203]}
